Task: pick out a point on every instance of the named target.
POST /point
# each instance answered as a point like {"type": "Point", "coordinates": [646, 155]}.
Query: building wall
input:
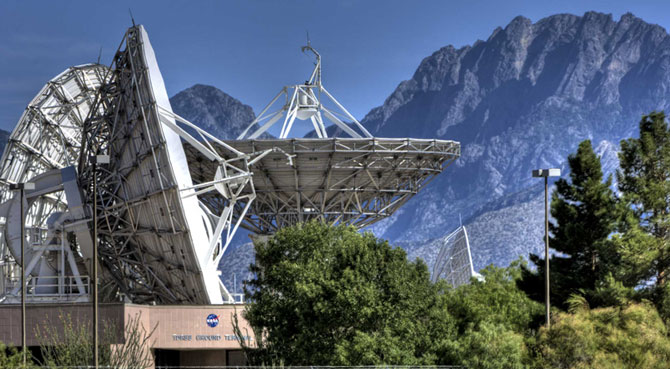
{"type": "Point", "coordinates": [38, 316]}
{"type": "Point", "coordinates": [183, 328]}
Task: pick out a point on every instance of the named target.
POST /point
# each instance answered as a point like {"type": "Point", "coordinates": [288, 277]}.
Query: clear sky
{"type": "Point", "coordinates": [250, 49]}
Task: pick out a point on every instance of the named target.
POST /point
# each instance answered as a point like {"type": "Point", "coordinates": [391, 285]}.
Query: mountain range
{"type": "Point", "coordinates": [522, 99]}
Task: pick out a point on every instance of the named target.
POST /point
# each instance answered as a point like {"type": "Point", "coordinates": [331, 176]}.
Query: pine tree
{"type": "Point", "coordinates": [584, 212]}
{"type": "Point", "coordinates": [644, 180]}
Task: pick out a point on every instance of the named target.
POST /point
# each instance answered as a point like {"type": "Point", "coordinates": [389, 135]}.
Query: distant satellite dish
{"type": "Point", "coordinates": [454, 261]}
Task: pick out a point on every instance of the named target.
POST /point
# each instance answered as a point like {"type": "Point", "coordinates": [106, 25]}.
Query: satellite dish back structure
{"type": "Point", "coordinates": [43, 148]}
{"type": "Point", "coordinates": [355, 180]}
{"type": "Point", "coordinates": [158, 242]}
{"type": "Point", "coordinates": [454, 261]}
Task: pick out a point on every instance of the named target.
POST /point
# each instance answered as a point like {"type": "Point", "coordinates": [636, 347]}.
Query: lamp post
{"type": "Point", "coordinates": [98, 159]}
{"type": "Point", "coordinates": [546, 173]}
{"type": "Point", "coordinates": [21, 187]}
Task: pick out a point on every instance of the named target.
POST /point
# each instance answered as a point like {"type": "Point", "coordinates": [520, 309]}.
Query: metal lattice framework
{"type": "Point", "coordinates": [356, 181]}
{"type": "Point", "coordinates": [158, 243]}
{"type": "Point", "coordinates": [302, 102]}
{"type": "Point", "coordinates": [454, 261]}
{"type": "Point", "coordinates": [45, 142]}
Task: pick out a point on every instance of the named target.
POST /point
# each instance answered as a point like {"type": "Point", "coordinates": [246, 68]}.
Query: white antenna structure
{"type": "Point", "coordinates": [454, 261]}
{"type": "Point", "coordinates": [303, 102]}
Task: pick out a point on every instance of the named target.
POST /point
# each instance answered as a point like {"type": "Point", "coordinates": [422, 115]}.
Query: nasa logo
{"type": "Point", "coordinates": [212, 320]}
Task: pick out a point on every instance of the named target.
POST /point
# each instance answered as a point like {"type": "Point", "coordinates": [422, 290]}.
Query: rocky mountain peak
{"type": "Point", "coordinates": [213, 110]}
{"type": "Point", "coordinates": [564, 57]}
{"type": "Point", "coordinates": [521, 100]}
{"type": "Point", "coordinates": [518, 24]}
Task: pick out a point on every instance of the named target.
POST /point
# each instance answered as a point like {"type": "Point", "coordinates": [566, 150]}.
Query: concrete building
{"type": "Point", "coordinates": [183, 335]}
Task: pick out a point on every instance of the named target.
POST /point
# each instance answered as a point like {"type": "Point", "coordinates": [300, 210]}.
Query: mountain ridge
{"type": "Point", "coordinates": [518, 101]}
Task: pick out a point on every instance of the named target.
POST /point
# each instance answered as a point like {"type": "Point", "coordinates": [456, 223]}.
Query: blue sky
{"type": "Point", "coordinates": [250, 49]}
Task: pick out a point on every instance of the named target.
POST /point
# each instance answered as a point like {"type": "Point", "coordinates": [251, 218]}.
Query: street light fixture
{"type": "Point", "coordinates": [98, 159]}
{"type": "Point", "coordinates": [22, 187]}
{"type": "Point", "coordinates": [546, 173]}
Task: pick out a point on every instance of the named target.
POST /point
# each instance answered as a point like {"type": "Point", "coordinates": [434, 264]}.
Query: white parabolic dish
{"type": "Point", "coordinates": [44, 145]}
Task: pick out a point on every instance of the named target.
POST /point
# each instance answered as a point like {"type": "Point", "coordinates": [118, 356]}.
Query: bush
{"type": "Point", "coordinates": [633, 336]}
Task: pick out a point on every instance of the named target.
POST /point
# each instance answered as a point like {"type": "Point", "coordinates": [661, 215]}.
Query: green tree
{"type": "Point", "coordinates": [632, 336]}
{"type": "Point", "coordinates": [332, 296]}
{"type": "Point", "coordinates": [496, 299]}
{"type": "Point", "coordinates": [328, 295]}
{"type": "Point", "coordinates": [644, 180]}
{"type": "Point", "coordinates": [584, 212]}
{"type": "Point", "coordinates": [492, 346]}
{"type": "Point", "coordinates": [493, 319]}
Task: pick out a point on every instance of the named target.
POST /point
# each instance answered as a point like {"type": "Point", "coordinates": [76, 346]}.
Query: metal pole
{"type": "Point", "coordinates": [95, 264]}
{"type": "Point", "coordinates": [23, 282]}
{"type": "Point", "coordinates": [546, 248]}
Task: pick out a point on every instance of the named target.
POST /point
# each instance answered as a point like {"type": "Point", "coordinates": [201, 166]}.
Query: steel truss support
{"type": "Point", "coordinates": [339, 180]}
{"type": "Point", "coordinates": [47, 138]}
{"type": "Point", "coordinates": [148, 247]}
{"type": "Point", "coordinates": [302, 102]}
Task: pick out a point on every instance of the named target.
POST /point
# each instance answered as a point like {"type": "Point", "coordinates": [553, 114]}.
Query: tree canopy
{"type": "Point", "coordinates": [327, 295]}
{"type": "Point", "coordinates": [330, 295]}
{"type": "Point", "coordinates": [584, 215]}
{"type": "Point", "coordinates": [630, 336]}
{"type": "Point", "coordinates": [644, 180]}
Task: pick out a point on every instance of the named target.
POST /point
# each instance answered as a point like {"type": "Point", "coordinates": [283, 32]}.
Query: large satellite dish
{"type": "Point", "coordinates": [158, 241]}
{"type": "Point", "coordinates": [355, 180]}
{"type": "Point", "coordinates": [43, 148]}
{"type": "Point", "coordinates": [172, 196]}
